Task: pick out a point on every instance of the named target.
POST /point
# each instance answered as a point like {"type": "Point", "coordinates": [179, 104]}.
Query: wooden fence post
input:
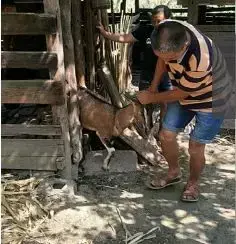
{"type": "Point", "coordinates": [54, 44]}
{"type": "Point", "coordinates": [193, 12]}
{"type": "Point", "coordinates": [70, 75]}
{"type": "Point", "coordinates": [90, 59]}
{"type": "Point", "coordinates": [78, 42]}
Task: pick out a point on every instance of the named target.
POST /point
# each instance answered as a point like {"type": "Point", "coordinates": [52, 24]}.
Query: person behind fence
{"type": "Point", "coordinates": [201, 88]}
{"type": "Point", "coordinates": [142, 34]}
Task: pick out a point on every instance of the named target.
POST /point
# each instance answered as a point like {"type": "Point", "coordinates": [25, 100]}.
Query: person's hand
{"type": "Point", "coordinates": [145, 97]}
{"type": "Point", "coordinates": [101, 28]}
{"type": "Point", "coordinates": [152, 88]}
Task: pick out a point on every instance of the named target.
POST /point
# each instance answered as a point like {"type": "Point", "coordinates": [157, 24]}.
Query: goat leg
{"type": "Point", "coordinates": [110, 150]}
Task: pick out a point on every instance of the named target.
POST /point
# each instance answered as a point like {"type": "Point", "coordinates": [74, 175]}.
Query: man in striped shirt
{"type": "Point", "coordinates": [202, 86]}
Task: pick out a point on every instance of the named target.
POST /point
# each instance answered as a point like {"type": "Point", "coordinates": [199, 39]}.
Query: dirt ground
{"type": "Point", "coordinates": [92, 216]}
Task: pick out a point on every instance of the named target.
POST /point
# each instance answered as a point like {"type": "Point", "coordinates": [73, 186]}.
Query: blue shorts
{"type": "Point", "coordinates": [206, 127]}
{"type": "Point", "coordinates": [165, 84]}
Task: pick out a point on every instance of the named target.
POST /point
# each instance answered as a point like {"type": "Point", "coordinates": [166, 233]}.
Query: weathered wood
{"type": "Point", "coordinates": [108, 48]}
{"type": "Point", "coordinates": [216, 28]}
{"type": "Point", "coordinates": [44, 84]}
{"type": "Point", "coordinates": [70, 75]}
{"type": "Point", "coordinates": [30, 60]}
{"type": "Point", "coordinates": [31, 163]}
{"type": "Point", "coordinates": [226, 42]}
{"type": "Point", "coordinates": [144, 148]}
{"type": "Point", "coordinates": [218, 9]}
{"type": "Point", "coordinates": [78, 42]}
{"type": "Point", "coordinates": [55, 43]}
{"type": "Point", "coordinates": [32, 91]}
{"type": "Point", "coordinates": [202, 14]}
{"type": "Point", "coordinates": [90, 64]}
{"type": "Point", "coordinates": [27, 24]}
{"type": "Point", "coordinates": [106, 77]}
{"type": "Point", "coordinates": [210, 2]}
{"type": "Point", "coordinates": [32, 147]}
{"type": "Point", "coordinates": [136, 6]}
{"type": "Point", "coordinates": [112, 17]}
{"type": "Point", "coordinates": [22, 129]}
{"type": "Point", "coordinates": [193, 12]}
{"type": "Point", "coordinates": [123, 6]}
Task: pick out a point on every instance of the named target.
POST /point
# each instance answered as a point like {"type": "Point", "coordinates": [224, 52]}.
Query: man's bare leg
{"type": "Point", "coordinates": [197, 163]}
{"type": "Point", "coordinates": [170, 151]}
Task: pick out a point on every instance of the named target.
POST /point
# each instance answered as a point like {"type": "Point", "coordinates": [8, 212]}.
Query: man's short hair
{"type": "Point", "coordinates": [162, 9]}
{"type": "Point", "coordinates": [169, 36]}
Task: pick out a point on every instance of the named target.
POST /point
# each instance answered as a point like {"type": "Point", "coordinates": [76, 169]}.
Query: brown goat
{"type": "Point", "coordinates": [98, 115]}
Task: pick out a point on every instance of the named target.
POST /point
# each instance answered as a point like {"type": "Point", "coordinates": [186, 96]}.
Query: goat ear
{"type": "Point", "coordinates": [124, 117]}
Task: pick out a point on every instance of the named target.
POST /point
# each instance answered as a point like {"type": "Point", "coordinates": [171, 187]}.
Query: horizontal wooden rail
{"type": "Point", "coordinates": [216, 28]}
{"type": "Point", "coordinates": [32, 91]}
{"type": "Point", "coordinates": [28, 24]}
{"type": "Point", "coordinates": [22, 129]}
{"type": "Point", "coordinates": [30, 60]}
{"type": "Point", "coordinates": [32, 154]}
{"type": "Point", "coordinates": [32, 147]}
{"type": "Point", "coordinates": [31, 163]}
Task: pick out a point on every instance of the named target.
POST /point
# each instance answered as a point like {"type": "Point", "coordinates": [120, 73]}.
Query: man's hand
{"type": "Point", "coordinates": [152, 88]}
{"type": "Point", "coordinates": [101, 28]}
{"type": "Point", "coordinates": [145, 97]}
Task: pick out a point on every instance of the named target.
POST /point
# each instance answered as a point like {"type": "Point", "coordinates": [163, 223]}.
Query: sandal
{"type": "Point", "coordinates": [190, 193]}
{"type": "Point", "coordinates": [162, 183]}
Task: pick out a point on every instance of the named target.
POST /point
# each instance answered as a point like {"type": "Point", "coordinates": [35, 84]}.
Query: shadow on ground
{"type": "Point", "coordinates": [91, 216]}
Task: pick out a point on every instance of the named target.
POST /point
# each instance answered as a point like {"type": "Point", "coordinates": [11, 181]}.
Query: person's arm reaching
{"type": "Point", "coordinates": [147, 97]}
{"type": "Point", "coordinates": [116, 37]}
{"type": "Point", "coordinates": [159, 71]}
{"type": "Point", "coordinates": [190, 82]}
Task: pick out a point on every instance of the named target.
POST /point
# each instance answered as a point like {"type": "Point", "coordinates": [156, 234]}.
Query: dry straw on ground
{"type": "Point", "coordinates": [22, 213]}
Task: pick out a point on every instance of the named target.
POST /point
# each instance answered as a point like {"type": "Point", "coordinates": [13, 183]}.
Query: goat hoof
{"type": "Point", "coordinates": [105, 168]}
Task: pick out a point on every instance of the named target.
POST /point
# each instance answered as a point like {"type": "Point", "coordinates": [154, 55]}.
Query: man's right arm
{"type": "Point", "coordinates": [116, 37]}
{"type": "Point", "coordinates": [159, 71]}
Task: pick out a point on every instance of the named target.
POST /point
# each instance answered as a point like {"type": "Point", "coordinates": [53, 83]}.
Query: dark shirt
{"type": "Point", "coordinates": [148, 63]}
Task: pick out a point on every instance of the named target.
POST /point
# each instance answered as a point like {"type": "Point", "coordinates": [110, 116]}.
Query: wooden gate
{"type": "Point", "coordinates": [54, 153]}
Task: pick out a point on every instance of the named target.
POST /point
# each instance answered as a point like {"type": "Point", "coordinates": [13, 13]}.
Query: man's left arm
{"type": "Point", "coordinates": [190, 82]}
{"type": "Point", "coordinates": [146, 97]}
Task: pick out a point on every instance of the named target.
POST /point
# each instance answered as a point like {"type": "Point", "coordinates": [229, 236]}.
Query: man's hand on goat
{"type": "Point", "coordinates": [146, 97]}
{"type": "Point", "coordinates": [152, 88]}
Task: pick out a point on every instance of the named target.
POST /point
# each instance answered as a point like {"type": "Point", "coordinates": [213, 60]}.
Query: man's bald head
{"type": "Point", "coordinates": [169, 36]}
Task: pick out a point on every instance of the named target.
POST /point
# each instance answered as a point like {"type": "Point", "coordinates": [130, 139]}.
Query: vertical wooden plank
{"type": "Point", "coordinates": [112, 16]}
{"type": "Point", "coordinates": [136, 6]}
{"type": "Point", "coordinates": [54, 43]}
{"type": "Point", "coordinates": [78, 42]}
{"type": "Point", "coordinates": [202, 14]}
{"type": "Point", "coordinates": [89, 25]}
{"type": "Point", "coordinates": [70, 77]}
{"type": "Point", "coordinates": [193, 12]}
{"type": "Point", "coordinates": [108, 46]}
{"type": "Point", "coordinates": [123, 6]}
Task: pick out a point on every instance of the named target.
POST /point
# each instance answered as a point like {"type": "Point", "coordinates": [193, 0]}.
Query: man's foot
{"type": "Point", "coordinates": [191, 192]}
{"type": "Point", "coordinates": [157, 184]}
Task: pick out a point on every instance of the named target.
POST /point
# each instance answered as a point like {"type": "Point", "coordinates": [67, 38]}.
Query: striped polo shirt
{"type": "Point", "coordinates": [202, 72]}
